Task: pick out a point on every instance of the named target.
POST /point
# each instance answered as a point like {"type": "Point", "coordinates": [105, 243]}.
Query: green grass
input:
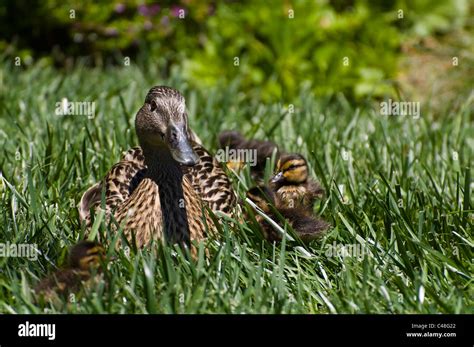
{"type": "Point", "coordinates": [401, 194]}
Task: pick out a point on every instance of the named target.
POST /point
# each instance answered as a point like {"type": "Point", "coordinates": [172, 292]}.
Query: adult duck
{"type": "Point", "coordinates": [165, 188]}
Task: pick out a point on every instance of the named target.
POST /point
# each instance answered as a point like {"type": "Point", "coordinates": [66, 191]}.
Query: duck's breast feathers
{"type": "Point", "coordinates": [292, 196]}
{"type": "Point", "coordinates": [125, 190]}
{"type": "Point", "coordinates": [211, 182]}
{"type": "Point", "coordinates": [142, 213]}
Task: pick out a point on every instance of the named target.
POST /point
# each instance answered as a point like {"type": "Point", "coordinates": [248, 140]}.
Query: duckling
{"type": "Point", "coordinates": [306, 226]}
{"type": "Point", "coordinates": [162, 189]}
{"type": "Point", "coordinates": [84, 258]}
{"type": "Point", "coordinates": [263, 149]}
{"type": "Point", "coordinates": [292, 184]}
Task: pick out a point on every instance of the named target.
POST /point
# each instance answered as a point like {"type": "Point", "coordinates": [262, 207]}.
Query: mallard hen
{"type": "Point", "coordinates": [161, 189]}
{"type": "Point", "coordinates": [306, 226]}
{"type": "Point", "coordinates": [292, 185]}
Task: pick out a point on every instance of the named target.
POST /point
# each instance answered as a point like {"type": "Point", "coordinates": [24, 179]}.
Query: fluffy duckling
{"type": "Point", "coordinates": [162, 189]}
{"type": "Point", "coordinates": [292, 185]}
{"type": "Point", "coordinates": [84, 258]}
{"type": "Point", "coordinates": [263, 149]}
{"type": "Point", "coordinates": [306, 226]}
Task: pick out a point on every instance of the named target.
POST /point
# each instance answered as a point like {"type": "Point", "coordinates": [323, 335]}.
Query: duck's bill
{"type": "Point", "coordinates": [277, 178]}
{"type": "Point", "coordinates": [184, 153]}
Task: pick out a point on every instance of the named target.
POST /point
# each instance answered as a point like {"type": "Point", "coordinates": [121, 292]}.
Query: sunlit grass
{"type": "Point", "coordinates": [398, 187]}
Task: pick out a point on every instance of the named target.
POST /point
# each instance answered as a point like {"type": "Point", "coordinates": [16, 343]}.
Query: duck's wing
{"type": "Point", "coordinates": [311, 229]}
{"type": "Point", "coordinates": [211, 182]}
{"type": "Point", "coordinates": [90, 198]}
{"type": "Point", "coordinates": [119, 183]}
{"type": "Point", "coordinates": [62, 281]}
{"type": "Point", "coordinates": [315, 190]}
{"type": "Point", "coordinates": [306, 226]}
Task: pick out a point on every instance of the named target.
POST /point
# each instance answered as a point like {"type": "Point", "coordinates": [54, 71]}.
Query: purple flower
{"type": "Point", "coordinates": [148, 11]}
{"type": "Point", "coordinates": [143, 10]}
{"type": "Point", "coordinates": [119, 8]}
{"type": "Point", "coordinates": [165, 21]}
{"type": "Point", "coordinates": [154, 9]}
{"type": "Point", "coordinates": [177, 11]}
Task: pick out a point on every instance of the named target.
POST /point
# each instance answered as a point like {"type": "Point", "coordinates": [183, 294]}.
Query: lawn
{"type": "Point", "coordinates": [398, 189]}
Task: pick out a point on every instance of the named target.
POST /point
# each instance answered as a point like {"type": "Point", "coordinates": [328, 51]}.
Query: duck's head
{"type": "Point", "coordinates": [291, 169]}
{"type": "Point", "coordinates": [86, 255]}
{"type": "Point", "coordinates": [162, 123]}
{"type": "Point", "coordinates": [230, 138]}
{"type": "Point", "coordinates": [262, 196]}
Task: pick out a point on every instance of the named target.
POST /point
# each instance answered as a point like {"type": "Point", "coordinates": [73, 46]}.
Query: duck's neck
{"type": "Point", "coordinates": [167, 174]}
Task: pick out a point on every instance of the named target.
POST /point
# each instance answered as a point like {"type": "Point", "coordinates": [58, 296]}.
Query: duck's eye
{"type": "Point", "coordinates": [153, 106]}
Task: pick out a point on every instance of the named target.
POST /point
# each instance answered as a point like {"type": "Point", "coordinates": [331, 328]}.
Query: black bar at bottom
{"type": "Point", "coordinates": [380, 330]}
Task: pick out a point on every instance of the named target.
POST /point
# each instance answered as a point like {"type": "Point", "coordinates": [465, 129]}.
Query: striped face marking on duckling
{"type": "Point", "coordinates": [86, 255]}
{"type": "Point", "coordinates": [291, 169]}
{"type": "Point", "coordinates": [162, 125]}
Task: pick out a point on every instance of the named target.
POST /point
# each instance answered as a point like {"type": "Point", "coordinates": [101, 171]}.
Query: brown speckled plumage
{"type": "Point", "coordinates": [305, 225]}
{"type": "Point", "coordinates": [211, 183]}
{"type": "Point", "coordinates": [83, 257]}
{"type": "Point", "coordinates": [149, 192]}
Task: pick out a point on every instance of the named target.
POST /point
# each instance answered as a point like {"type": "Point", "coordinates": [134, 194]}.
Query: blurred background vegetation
{"type": "Point", "coordinates": [273, 49]}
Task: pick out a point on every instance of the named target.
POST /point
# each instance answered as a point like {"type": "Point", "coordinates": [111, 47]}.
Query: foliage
{"type": "Point", "coordinates": [282, 53]}
{"type": "Point", "coordinates": [425, 17]}
{"type": "Point", "coordinates": [327, 46]}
